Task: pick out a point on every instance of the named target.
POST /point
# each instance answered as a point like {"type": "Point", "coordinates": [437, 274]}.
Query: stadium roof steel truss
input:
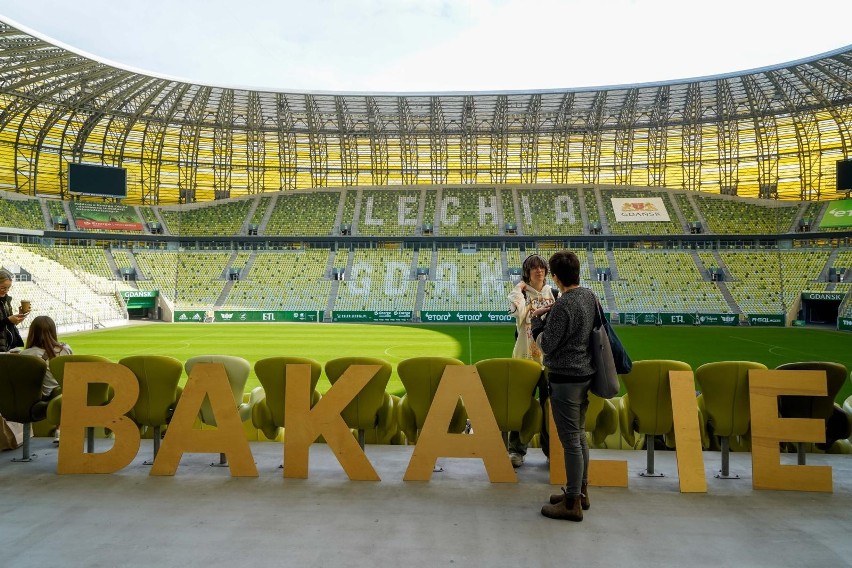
{"type": "Point", "coordinates": [773, 132]}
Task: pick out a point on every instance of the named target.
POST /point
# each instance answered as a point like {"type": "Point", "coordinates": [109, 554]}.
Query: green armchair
{"type": "Point", "coordinates": [158, 377]}
{"type": "Point", "coordinates": [646, 408]}
{"type": "Point", "coordinates": [98, 393]}
{"type": "Point", "coordinates": [837, 424]}
{"type": "Point", "coordinates": [724, 404]}
{"type": "Point", "coordinates": [420, 376]}
{"type": "Point", "coordinates": [510, 387]}
{"type": "Point", "coordinates": [237, 369]}
{"type": "Point", "coordinates": [268, 400]}
{"type": "Point", "coordinates": [372, 408]}
{"type": "Point", "coordinates": [20, 394]}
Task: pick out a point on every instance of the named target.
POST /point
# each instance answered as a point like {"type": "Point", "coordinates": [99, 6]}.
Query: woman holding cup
{"type": "Point", "coordinates": [9, 320]}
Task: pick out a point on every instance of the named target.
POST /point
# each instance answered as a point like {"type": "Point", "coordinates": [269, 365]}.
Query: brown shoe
{"type": "Point", "coordinates": [568, 509]}
{"type": "Point", "coordinates": [584, 497]}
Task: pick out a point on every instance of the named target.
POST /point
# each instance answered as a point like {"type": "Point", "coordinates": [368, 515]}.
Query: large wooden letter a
{"type": "Point", "coordinates": [485, 442]}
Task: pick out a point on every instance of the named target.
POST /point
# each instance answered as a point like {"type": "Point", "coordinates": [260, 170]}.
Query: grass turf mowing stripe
{"type": "Point", "coordinates": [393, 343]}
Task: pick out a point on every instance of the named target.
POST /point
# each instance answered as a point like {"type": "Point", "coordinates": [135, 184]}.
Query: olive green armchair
{"type": "Point", "coordinates": [268, 400]}
{"type": "Point", "coordinates": [372, 408]}
{"type": "Point", "coordinates": [646, 408]}
{"type": "Point", "coordinates": [158, 377]}
{"type": "Point", "coordinates": [421, 376]}
{"type": "Point", "coordinates": [237, 370]}
{"type": "Point", "coordinates": [510, 387]}
{"type": "Point", "coordinates": [724, 404]}
{"type": "Point", "coordinates": [97, 395]}
{"type": "Point", "coordinates": [20, 394]}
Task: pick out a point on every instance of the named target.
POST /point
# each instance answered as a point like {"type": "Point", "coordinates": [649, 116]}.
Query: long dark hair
{"type": "Point", "coordinates": [43, 334]}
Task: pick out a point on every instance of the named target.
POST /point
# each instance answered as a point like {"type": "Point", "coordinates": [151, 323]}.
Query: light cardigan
{"type": "Point", "coordinates": [522, 308]}
{"type": "Point", "coordinates": [48, 383]}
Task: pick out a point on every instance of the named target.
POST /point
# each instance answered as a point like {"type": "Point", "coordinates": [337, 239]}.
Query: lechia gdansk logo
{"type": "Point", "coordinates": [629, 206]}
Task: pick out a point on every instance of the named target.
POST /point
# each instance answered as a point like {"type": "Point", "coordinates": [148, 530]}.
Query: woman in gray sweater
{"type": "Point", "coordinates": [563, 336]}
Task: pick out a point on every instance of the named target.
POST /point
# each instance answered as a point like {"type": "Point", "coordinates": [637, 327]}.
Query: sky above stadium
{"type": "Point", "coordinates": [438, 45]}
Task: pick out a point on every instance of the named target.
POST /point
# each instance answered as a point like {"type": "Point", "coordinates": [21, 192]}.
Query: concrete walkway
{"type": "Point", "coordinates": [203, 517]}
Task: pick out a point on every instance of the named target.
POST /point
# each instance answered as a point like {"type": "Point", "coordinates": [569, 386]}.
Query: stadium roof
{"type": "Point", "coordinates": [805, 104]}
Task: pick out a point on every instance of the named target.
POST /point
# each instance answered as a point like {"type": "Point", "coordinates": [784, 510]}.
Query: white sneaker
{"type": "Point", "coordinates": [516, 459]}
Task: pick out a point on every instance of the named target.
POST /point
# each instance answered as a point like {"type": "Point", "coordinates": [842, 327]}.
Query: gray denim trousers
{"type": "Point", "coordinates": [569, 402]}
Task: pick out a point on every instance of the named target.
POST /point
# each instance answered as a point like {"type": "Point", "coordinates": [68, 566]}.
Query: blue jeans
{"type": "Point", "coordinates": [569, 402]}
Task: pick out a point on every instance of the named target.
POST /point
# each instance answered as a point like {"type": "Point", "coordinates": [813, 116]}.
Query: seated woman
{"type": "Point", "coordinates": [42, 342]}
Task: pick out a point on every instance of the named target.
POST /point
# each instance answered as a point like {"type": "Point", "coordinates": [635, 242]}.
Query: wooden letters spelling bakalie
{"type": "Point", "coordinates": [304, 425]}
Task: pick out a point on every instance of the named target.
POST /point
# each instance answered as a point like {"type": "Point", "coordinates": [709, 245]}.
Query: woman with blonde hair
{"type": "Point", "coordinates": [9, 320]}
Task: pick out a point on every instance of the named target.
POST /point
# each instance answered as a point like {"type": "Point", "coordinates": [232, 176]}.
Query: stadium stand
{"type": "Point", "coordinates": [424, 259]}
{"type": "Point", "coordinates": [735, 216]}
{"type": "Point", "coordinates": [467, 212]}
{"type": "Point", "coordinates": [388, 213]}
{"type": "Point", "coordinates": [21, 213]}
{"type": "Point", "coordinates": [72, 297]}
{"type": "Point", "coordinates": [667, 281]}
{"type": "Point", "coordinates": [507, 205]}
{"type": "Point", "coordinates": [350, 203]}
{"type": "Point", "coordinates": [380, 279]}
{"type": "Point", "coordinates": [467, 281]}
{"type": "Point", "coordinates": [592, 210]}
{"type": "Point", "coordinates": [843, 260]}
{"type": "Point", "coordinates": [55, 209]}
{"type": "Point", "coordinates": [189, 279]}
{"type": "Point", "coordinates": [811, 214]}
{"type": "Point", "coordinates": [91, 260]}
{"type": "Point", "coordinates": [550, 212]}
{"type": "Point", "coordinates": [304, 214]}
{"type": "Point", "coordinates": [123, 259]}
{"type": "Point", "coordinates": [287, 280]}
{"type": "Point", "coordinates": [260, 210]}
{"type": "Point", "coordinates": [219, 219]}
{"type": "Point", "coordinates": [689, 213]}
{"type": "Point", "coordinates": [148, 214]}
{"type": "Point", "coordinates": [770, 282]}
{"type": "Point", "coordinates": [429, 208]}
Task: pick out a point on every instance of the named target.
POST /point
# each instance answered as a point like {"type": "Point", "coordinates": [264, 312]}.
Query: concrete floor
{"type": "Point", "coordinates": [204, 517]}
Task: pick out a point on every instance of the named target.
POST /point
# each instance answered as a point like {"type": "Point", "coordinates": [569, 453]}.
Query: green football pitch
{"type": "Point", "coordinates": [393, 343]}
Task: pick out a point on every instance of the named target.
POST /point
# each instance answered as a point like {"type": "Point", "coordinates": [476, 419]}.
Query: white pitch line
{"type": "Point", "coordinates": [772, 347]}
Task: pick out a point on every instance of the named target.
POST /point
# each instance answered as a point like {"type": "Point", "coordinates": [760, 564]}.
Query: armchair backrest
{"type": "Point", "coordinates": [510, 386]}
{"type": "Point", "coordinates": [20, 388]}
{"type": "Point", "coordinates": [158, 377]}
{"type": "Point", "coordinates": [813, 406]}
{"type": "Point", "coordinates": [272, 374]}
{"type": "Point", "coordinates": [236, 368]}
{"type": "Point", "coordinates": [98, 392]}
{"type": "Point", "coordinates": [361, 413]}
{"type": "Point", "coordinates": [420, 376]}
{"type": "Point", "coordinates": [724, 388]}
{"type": "Point", "coordinates": [649, 395]}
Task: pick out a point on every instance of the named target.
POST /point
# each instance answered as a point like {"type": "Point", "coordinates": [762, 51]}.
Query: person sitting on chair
{"type": "Point", "coordinates": [42, 342]}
